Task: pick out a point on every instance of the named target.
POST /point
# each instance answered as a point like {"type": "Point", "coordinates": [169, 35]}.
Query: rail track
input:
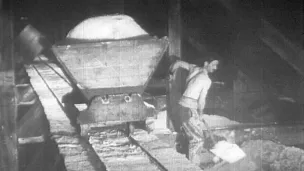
{"type": "Point", "coordinates": [108, 148]}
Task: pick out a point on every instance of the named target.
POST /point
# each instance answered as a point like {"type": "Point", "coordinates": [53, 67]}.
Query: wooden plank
{"type": "Point", "coordinates": [175, 28]}
{"type": "Point", "coordinates": [118, 153]}
{"type": "Point", "coordinates": [76, 157]}
{"type": "Point", "coordinates": [166, 155]}
{"type": "Point", "coordinates": [282, 46]}
{"type": "Point", "coordinates": [32, 124]}
{"type": "Point", "coordinates": [69, 144]}
{"type": "Point", "coordinates": [60, 86]}
{"type": "Point", "coordinates": [31, 140]}
{"type": "Point", "coordinates": [8, 107]}
{"type": "Point", "coordinates": [8, 138]}
{"type": "Point", "coordinates": [59, 123]}
{"type": "Point", "coordinates": [26, 95]}
{"type": "Point", "coordinates": [174, 84]}
{"type": "Point", "coordinates": [116, 66]}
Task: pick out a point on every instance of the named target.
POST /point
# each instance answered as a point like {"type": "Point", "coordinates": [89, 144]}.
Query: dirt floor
{"type": "Point", "coordinates": [267, 155]}
{"type": "Point", "coordinates": [262, 155]}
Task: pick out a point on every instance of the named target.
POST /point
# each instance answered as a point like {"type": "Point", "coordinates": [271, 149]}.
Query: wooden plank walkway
{"type": "Point", "coordinates": [77, 156]}
{"type": "Point", "coordinates": [118, 153]}
{"type": "Point", "coordinates": [165, 154]}
{"type": "Point", "coordinates": [32, 127]}
{"type": "Point", "coordinates": [8, 141]}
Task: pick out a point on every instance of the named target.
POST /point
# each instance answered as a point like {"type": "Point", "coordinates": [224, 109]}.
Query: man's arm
{"type": "Point", "coordinates": [180, 64]}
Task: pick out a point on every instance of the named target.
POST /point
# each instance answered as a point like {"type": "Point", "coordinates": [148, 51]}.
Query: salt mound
{"type": "Point", "coordinates": [106, 27]}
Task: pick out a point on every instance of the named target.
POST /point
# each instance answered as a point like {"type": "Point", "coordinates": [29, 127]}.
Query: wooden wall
{"type": "Point", "coordinates": [8, 139]}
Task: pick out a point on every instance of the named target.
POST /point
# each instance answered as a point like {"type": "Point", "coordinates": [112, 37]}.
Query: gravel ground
{"type": "Point", "coordinates": [262, 155]}
{"type": "Point", "coordinates": [268, 156]}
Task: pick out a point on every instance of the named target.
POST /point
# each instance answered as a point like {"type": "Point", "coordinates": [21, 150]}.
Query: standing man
{"type": "Point", "coordinates": [192, 102]}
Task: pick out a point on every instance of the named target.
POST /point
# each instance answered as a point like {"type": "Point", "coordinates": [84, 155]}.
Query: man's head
{"type": "Point", "coordinates": [211, 65]}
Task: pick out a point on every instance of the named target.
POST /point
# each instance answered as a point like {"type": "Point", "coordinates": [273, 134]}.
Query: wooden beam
{"type": "Point", "coordinates": [282, 46]}
{"type": "Point", "coordinates": [70, 145]}
{"type": "Point", "coordinates": [174, 84]}
{"type": "Point", "coordinates": [8, 107]}
{"type": "Point", "coordinates": [167, 156]}
{"type": "Point", "coordinates": [175, 28]}
{"type": "Point", "coordinates": [25, 95]}
{"type": "Point", "coordinates": [32, 124]}
{"type": "Point", "coordinates": [31, 140]}
{"type": "Point", "coordinates": [8, 144]}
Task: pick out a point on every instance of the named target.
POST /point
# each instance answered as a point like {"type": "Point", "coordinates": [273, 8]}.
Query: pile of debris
{"type": "Point", "coordinates": [264, 155]}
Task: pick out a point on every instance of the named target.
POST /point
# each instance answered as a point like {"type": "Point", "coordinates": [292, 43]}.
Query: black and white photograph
{"type": "Point", "coordinates": [151, 85]}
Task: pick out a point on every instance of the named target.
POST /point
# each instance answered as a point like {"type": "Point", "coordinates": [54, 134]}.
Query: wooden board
{"type": "Point", "coordinates": [26, 95]}
{"type": "Point", "coordinates": [69, 144]}
{"type": "Point", "coordinates": [118, 153]}
{"type": "Point", "coordinates": [32, 124]}
{"type": "Point", "coordinates": [8, 139]}
{"type": "Point", "coordinates": [174, 85]}
{"type": "Point", "coordinates": [77, 154]}
{"type": "Point", "coordinates": [8, 106]}
{"type": "Point", "coordinates": [112, 66]}
{"type": "Point", "coordinates": [165, 154]}
{"type": "Point", "coordinates": [59, 123]}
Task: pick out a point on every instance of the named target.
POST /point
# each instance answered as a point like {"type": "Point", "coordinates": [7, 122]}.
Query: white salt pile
{"type": "Point", "coordinates": [106, 27]}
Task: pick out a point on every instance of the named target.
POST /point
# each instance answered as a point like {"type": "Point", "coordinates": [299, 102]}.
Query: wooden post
{"type": "Point", "coordinates": [8, 110]}
{"type": "Point", "coordinates": [174, 86]}
{"type": "Point", "coordinates": [175, 28]}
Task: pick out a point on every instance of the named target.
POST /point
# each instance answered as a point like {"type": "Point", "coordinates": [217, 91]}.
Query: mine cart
{"type": "Point", "coordinates": [112, 75]}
